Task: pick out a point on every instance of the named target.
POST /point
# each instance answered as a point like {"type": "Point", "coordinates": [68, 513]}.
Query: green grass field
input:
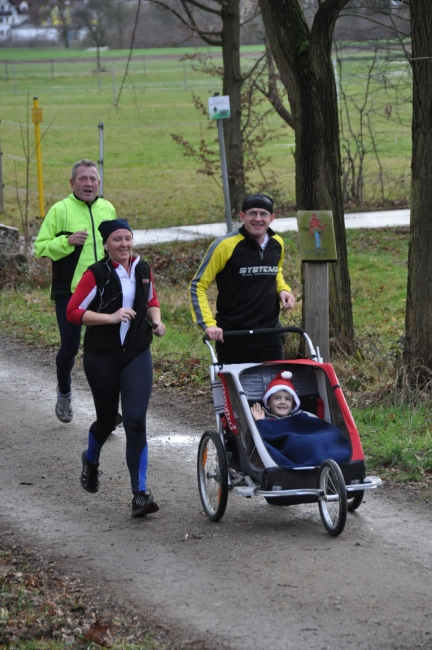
{"type": "Point", "coordinates": [146, 175]}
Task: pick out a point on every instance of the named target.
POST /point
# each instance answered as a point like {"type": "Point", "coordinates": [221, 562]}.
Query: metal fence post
{"type": "Point", "coordinates": [101, 157]}
{"type": "Point", "coordinates": [184, 75]}
{"type": "Point", "coordinates": [98, 73]}
{"type": "Point", "coordinates": [224, 169]}
{"type": "Point", "coordinates": [114, 83]}
{"type": "Point", "coordinates": [1, 178]}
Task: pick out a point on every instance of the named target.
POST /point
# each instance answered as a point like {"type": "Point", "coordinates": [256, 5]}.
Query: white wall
{"type": "Point", "coordinates": [26, 34]}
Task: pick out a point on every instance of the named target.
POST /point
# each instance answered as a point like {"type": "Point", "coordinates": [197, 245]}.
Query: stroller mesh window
{"type": "Point", "coordinates": [337, 417]}
{"type": "Point", "coordinates": [255, 381]}
{"type": "Point", "coordinates": [242, 426]}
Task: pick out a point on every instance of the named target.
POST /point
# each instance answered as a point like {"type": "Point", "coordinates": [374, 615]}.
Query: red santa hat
{"type": "Point", "coordinates": [281, 382]}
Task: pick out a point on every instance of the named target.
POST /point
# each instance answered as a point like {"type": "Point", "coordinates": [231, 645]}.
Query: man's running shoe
{"type": "Point", "coordinates": [89, 475]}
{"type": "Point", "coordinates": [143, 504]}
{"type": "Point", "coordinates": [63, 408]}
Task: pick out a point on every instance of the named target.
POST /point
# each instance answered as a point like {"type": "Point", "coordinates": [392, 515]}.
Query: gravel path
{"type": "Point", "coordinates": [262, 577]}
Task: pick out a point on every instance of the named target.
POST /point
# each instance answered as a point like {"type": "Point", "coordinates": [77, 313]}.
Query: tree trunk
{"type": "Point", "coordinates": [65, 34]}
{"type": "Point", "coordinates": [303, 57]}
{"type": "Point", "coordinates": [418, 336]}
{"type": "Point", "coordinates": [232, 85]}
{"type": "Point", "coordinates": [63, 17]}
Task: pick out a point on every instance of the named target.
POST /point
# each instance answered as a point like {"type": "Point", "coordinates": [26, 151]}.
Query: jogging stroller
{"type": "Point", "coordinates": [234, 457]}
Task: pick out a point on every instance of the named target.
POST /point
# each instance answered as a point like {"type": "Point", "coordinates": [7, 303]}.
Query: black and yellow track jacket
{"type": "Point", "coordinates": [248, 280]}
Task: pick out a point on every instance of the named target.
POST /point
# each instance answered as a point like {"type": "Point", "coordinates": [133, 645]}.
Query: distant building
{"type": "Point", "coordinates": [15, 25]}
{"type": "Point", "coordinates": [10, 17]}
{"type": "Point", "coordinates": [21, 5]}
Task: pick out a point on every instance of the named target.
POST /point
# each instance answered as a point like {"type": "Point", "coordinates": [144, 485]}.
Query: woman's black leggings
{"type": "Point", "coordinates": [108, 377]}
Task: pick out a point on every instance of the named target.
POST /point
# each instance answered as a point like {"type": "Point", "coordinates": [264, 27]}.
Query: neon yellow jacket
{"type": "Point", "coordinates": [69, 262]}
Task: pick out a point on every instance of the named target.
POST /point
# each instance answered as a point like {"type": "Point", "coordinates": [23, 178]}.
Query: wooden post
{"type": "Point", "coordinates": [316, 308]}
{"type": "Point", "coordinates": [318, 248]}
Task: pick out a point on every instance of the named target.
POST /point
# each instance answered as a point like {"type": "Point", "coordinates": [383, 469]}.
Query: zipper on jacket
{"type": "Point", "coordinates": [94, 233]}
{"type": "Point", "coordinates": [251, 239]}
{"type": "Point", "coordinates": [260, 250]}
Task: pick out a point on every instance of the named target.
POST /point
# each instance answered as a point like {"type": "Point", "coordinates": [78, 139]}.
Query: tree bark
{"type": "Point", "coordinates": [303, 57]}
{"type": "Point", "coordinates": [418, 320]}
{"type": "Point", "coordinates": [232, 86]}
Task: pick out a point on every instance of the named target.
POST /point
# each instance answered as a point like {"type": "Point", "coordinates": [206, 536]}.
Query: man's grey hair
{"type": "Point", "coordinates": [85, 162]}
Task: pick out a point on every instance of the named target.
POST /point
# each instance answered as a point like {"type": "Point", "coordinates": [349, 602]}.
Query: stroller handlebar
{"type": "Point", "coordinates": [267, 330]}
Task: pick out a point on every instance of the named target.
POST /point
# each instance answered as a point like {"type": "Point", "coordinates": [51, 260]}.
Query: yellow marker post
{"type": "Point", "coordinates": [37, 119]}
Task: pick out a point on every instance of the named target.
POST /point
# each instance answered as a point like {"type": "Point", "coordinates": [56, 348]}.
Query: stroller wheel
{"type": "Point", "coordinates": [333, 500]}
{"type": "Point", "coordinates": [212, 475]}
{"type": "Point", "coordinates": [355, 500]}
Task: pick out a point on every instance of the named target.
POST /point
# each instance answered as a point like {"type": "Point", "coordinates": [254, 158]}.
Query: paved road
{"type": "Point", "coordinates": [212, 230]}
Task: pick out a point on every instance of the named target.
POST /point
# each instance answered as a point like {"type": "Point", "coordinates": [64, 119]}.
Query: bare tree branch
{"type": "Point", "coordinates": [252, 70]}
{"type": "Point", "coordinates": [269, 90]}
{"type": "Point", "coordinates": [203, 33]}
{"type": "Point", "coordinates": [116, 103]}
{"type": "Point", "coordinates": [208, 37]}
{"type": "Point", "coordinates": [167, 7]}
{"type": "Point", "coordinates": [205, 8]}
{"type": "Point", "coordinates": [393, 27]}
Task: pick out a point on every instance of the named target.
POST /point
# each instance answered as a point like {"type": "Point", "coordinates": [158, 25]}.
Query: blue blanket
{"type": "Point", "coordinates": [303, 441]}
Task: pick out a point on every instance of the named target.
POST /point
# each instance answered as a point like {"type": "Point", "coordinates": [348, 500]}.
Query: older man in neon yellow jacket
{"type": "Point", "coordinates": [69, 236]}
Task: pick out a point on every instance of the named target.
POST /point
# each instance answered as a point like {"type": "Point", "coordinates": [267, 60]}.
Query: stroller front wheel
{"type": "Point", "coordinates": [212, 470]}
{"type": "Point", "coordinates": [333, 499]}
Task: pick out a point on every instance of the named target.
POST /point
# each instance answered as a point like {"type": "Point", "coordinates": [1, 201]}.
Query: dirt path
{"type": "Point", "coordinates": [262, 577]}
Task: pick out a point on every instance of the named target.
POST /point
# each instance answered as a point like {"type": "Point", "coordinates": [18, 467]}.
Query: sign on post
{"type": "Point", "coordinates": [317, 249]}
{"type": "Point", "coordinates": [316, 235]}
{"type": "Point", "coordinates": [219, 109]}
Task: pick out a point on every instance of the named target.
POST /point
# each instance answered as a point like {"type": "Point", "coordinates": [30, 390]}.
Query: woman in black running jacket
{"type": "Point", "coordinates": [117, 301]}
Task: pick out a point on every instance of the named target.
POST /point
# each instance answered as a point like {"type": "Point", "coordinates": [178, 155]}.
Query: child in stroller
{"type": "Point", "coordinates": [296, 438]}
{"type": "Point", "coordinates": [278, 399]}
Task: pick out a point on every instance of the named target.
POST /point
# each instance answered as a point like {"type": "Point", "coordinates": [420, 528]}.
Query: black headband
{"type": "Point", "coordinates": [108, 227]}
{"type": "Point", "coordinates": [258, 201]}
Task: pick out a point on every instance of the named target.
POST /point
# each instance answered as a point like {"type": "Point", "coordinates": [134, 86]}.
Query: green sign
{"type": "Point", "coordinates": [316, 236]}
